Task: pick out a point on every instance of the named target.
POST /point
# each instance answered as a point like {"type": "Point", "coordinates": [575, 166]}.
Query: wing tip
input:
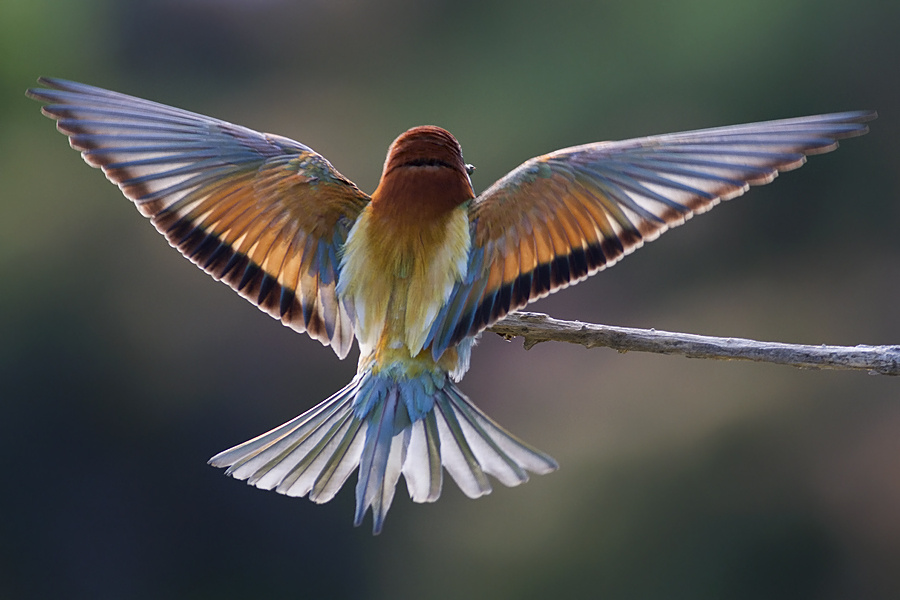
{"type": "Point", "coordinates": [49, 84]}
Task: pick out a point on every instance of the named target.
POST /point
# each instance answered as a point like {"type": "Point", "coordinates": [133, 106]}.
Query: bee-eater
{"type": "Point", "coordinates": [414, 272]}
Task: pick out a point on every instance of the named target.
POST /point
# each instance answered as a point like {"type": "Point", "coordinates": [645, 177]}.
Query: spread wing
{"type": "Point", "coordinates": [561, 217]}
{"type": "Point", "coordinates": [264, 214]}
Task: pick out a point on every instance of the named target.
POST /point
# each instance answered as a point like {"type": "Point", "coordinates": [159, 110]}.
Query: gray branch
{"type": "Point", "coordinates": [536, 328]}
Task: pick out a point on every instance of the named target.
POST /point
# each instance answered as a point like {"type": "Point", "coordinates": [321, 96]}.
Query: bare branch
{"type": "Point", "coordinates": [537, 328]}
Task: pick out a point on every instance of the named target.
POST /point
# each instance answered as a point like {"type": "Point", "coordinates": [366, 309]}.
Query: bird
{"type": "Point", "coordinates": [413, 272]}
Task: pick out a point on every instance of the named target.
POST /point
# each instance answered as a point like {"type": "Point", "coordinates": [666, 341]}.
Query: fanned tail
{"type": "Point", "coordinates": [386, 426]}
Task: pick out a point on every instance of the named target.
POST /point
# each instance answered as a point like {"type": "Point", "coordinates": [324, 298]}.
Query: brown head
{"type": "Point", "coordinates": [424, 174]}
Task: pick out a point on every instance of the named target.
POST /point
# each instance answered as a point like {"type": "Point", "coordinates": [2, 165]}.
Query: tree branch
{"type": "Point", "coordinates": [537, 328]}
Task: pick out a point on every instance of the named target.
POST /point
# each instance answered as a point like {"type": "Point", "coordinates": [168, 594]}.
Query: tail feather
{"type": "Point", "coordinates": [247, 459]}
{"type": "Point", "coordinates": [284, 461]}
{"type": "Point", "coordinates": [384, 486]}
{"type": "Point", "coordinates": [373, 468]}
{"type": "Point", "coordinates": [325, 467]}
{"type": "Point", "coordinates": [422, 463]}
{"type": "Point", "coordinates": [457, 455]}
{"type": "Point", "coordinates": [315, 453]}
{"type": "Point", "coordinates": [298, 453]}
{"type": "Point", "coordinates": [499, 453]}
{"type": "Point", "coordinates": [341, 464]}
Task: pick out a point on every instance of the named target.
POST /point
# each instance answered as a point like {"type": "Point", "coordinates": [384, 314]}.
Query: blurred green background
{"type": "Point", "coordinates": [123, 368]}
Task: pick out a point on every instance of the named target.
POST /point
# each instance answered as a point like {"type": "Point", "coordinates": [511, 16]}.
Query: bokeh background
{"type": "Point", "coordinates": [123, 368]}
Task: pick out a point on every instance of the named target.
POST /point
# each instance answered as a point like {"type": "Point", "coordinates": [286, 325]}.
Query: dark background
{"type": "Point", "coordinates": [123, 368]}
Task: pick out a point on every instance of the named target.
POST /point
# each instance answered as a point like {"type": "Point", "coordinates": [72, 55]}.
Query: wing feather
{"type": "Point", "coordinates": [263, 213]}
{"type": "Point", "coordinates": [561, 217]}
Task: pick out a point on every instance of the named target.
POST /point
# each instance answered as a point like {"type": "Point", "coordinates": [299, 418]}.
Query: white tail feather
{"type": "Point", "coordinates": [315, 453]}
